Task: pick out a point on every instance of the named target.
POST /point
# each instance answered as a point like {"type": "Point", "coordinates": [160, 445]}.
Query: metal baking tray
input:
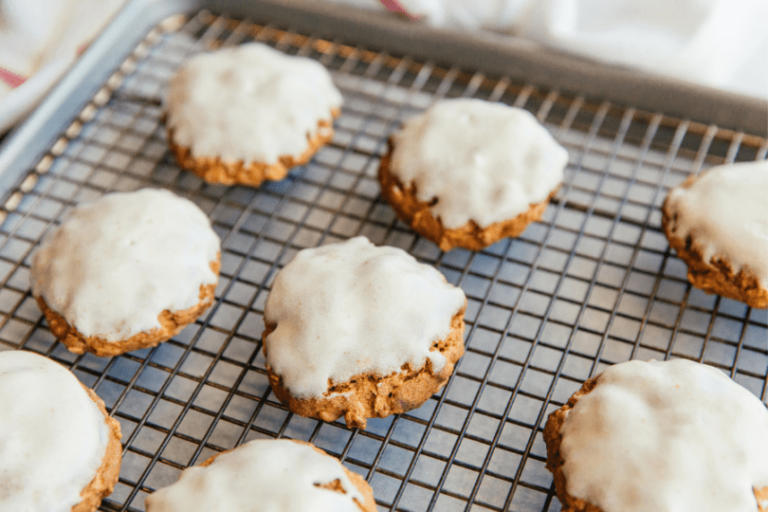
{"type": "Point", "coordinates": [594, 283]}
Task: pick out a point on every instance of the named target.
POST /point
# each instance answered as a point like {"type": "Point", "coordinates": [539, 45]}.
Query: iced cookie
{"type": "Point", "coordinates": [361, 331]}
{"type": "Point", "coordinates": [59, 450]}
{"type": "Point", "coordinates": [127, 271]}
{"type": "Point", "coordinates": [467, 173]}
{"type": "Point", "coordinates": [267, 475]}
{"type": "Point", "coordinates": [249, 113]}
{"type": "Point", "coordinates": [718, 224]}
{"type": "Point", "coordinates": [662, 437]}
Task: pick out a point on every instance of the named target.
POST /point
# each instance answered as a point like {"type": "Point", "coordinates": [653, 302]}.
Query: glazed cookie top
{"type": "Point", "coordinates": [353, 308]}
{"type": "Point", "coordinates": [53, 437]}
{"type": "Point", "coordinates": [249, 103]}
{"type": "Point", "coordinates": [115, 264]}
{"type": "Point", "coordinates": [261, 476]}
{"type": "Point", "coordinates": [486, 162]}
{"type": "Point", "coordinates": [666, 436]}
{"type": "Point", "coordinates": [725, 211]}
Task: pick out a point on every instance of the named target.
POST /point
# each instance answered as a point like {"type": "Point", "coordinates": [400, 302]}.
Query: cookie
{"type": "Point", "coordinates": [360, 331]}
{"type": "Point", "coordinates": [284, 475]}
{"type": "Point", "coordinates": [718, 224]}
{"type": "Point", "coordinates": [249, 113]}
{"type": "Point", "coordinates": [127, 271]}
{"type": "Point", "coordinates": [661, 436]}
{"type": "Point", "coordinates": [467, 173]}
{"type": "Point", "coordinates": [59, 450]}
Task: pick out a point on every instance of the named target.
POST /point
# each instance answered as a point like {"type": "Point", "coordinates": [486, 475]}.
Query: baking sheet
{"type": "Point", "coordinates": [592, 284]}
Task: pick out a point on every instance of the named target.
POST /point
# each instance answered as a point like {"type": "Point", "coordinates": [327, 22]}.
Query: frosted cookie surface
{"type": "Point", "coordinates": [663, 436]}
{"type": "Point", "coordinates": [481, 161]}
{"type": "Point", "coordinates": [249, 103]}
{"type": "Point", "coordinates": [53, 437]}
{"type": "Point", "coordinates": [724, 214]}
{"type": "Point", "coordinates": [263, 476]}
{"type": "Point", "coordinates": [361, 331]}
{"type": "Point", "coordinates": [353, 308]}
{"type": "Point", "coordinates": [114, 265]}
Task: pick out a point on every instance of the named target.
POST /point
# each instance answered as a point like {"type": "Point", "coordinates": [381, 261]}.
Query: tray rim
{"type": "Point", "coordinates": [484, 52]}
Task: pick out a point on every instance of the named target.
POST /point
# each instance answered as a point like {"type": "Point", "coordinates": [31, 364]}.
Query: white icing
{"type": "Point", "coordinates": [115, 264]}
{"type": "Point", "coordinates": [249, 103]}
{"type": "Point", "coordinates": [667, 437]}
{"type": "Point", "coordinates": [483, 161]}
{"type": "Point", "coordinates": [726, 211]}
{"type": "Point", "coordinates": [353, 308]}
{"type": "Point", "coordinates": [53, 437]}
{"type": "Point", "coordinates": [260, 476]}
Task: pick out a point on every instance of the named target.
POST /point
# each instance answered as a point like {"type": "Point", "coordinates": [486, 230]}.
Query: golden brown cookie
{"type": "Point", "coordinates": [659, 391]}
{"type": "Point", "coordinates": [127, 271]}
{"type": "Point", "coordinates": [713, 223]}
{"type": "Point", "coordinates": [106, 477]}
{"type": "Point", "coordinates": [361, 331]}
{"type": "Point", "coordinates": [59, 448]}
{"type": "Point", "coordinates": [171, 323]}
{"type": "Point", "coordinates": [467, 173]}
{"type": "Point", "coordinates": [371, 396]}
{"type": "Point", "coordinates": [242, 115]}
{"type": "Point", "coordinates": [259, 460]}
{"type": "Point", "coordinates": [417, 214]}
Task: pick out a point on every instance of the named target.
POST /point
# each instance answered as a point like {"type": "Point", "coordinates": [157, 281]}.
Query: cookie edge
{"type": "Point", "coordinates": [376, 397]}
{"type": "Point", "coordinates": [212, 169]}
{"type": "Point", "coordinates": [108, 473]}
{"type": "Point", "coordinates": [470, 236]}
{"type": "Point", "coordinates": [171, 324]}
{"type": "Point", "coordinates": [717, 275]}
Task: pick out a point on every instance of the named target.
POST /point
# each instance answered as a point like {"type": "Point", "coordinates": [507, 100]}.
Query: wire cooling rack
{"type": "Point", "coordinates": [592, 284]}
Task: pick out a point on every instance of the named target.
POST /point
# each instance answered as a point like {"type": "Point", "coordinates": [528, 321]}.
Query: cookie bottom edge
{"type": "Point", "coordinates": [171, 324]}
{"type": "Point", "coordinates": [470, 236]}
{"type": "Point", "coordinates": [368, 396]}
{"type": "Point", "coordinates": [214, 170]}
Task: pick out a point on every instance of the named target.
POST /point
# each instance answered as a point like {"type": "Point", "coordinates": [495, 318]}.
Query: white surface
{"type": "Point", "coordinates": [725, 211]}
{"type": "Point", "coordinates": [115, 264]}
{"type": "Point", "coordinates": [53, 437]}
{"type": "Point", "coordinates": [716, 43]}
{"type": "Point", "coordinates": [483, 161]}
{"type": "Point", "coordinates": [666, 436]}
{"type": "Point", "coordinates": [250, 103]}
{"type": "Point", "coordinates": [39, 40]}
{"type": "Point", "coordinates": [353, 308]}
{"type": "Point", "coordinates": [260, 476]}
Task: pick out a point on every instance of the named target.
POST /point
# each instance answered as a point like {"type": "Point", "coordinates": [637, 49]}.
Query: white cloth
{"type": "Point", "coordinates": [716, 43]}
{"type": "Point", "coordinates": [39, 40]}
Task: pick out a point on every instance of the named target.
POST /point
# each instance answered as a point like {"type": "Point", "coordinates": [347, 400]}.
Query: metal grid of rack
{"type": "Point", "coordinates": [592, 284]}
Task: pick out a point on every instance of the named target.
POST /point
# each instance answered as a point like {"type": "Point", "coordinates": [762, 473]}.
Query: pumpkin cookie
{"type": "Point", "coordinates": [661, 436]}
{"type": "Point", "coordinates": [249, 113]}
{"type": "Point", "coordinates": [467, 173]}
{"type": "Point", "coordinates": [59, 450]}
{"type": "Point", "coordinates": [360, 331]}
{"type": "Point", "coordinates": [718, 224]}
{"type": "Point", "coordinates": [285, 475]}
{"type": "Point", "coordinates": [125, 272]}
